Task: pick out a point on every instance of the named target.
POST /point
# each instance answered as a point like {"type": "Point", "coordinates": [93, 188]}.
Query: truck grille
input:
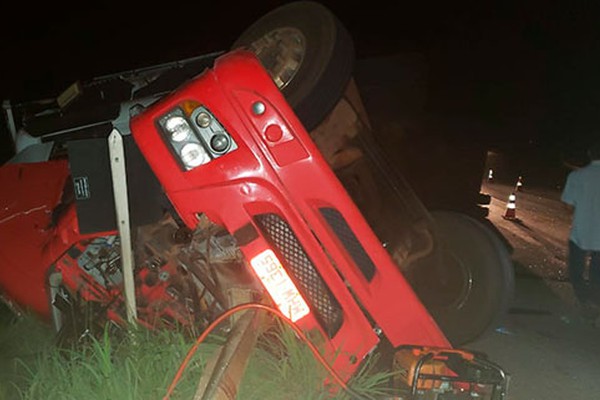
{"type": "Point", "coordinates": [343, 231]}
{"type": "Point", "coordinates": [302, 271]}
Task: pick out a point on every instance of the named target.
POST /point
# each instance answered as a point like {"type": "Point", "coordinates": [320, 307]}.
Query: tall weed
{"type": "Point", "coordinates": [141, 364]}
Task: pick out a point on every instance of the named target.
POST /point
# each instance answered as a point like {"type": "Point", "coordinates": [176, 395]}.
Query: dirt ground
{"type": "Point", "coordinates": [546, 346]}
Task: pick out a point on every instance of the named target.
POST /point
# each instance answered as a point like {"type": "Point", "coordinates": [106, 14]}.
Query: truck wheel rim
{"type": "Point", "coordinates": [455, 284]}
{"type": "Point", "coordinates": [281, 52]}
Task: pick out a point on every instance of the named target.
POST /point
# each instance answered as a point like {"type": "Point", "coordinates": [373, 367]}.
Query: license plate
{"type": "Point", "coordinates": [282, 290]}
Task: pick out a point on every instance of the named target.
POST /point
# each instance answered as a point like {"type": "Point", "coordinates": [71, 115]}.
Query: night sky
{"type": "Point", "coordinates": [529, 70]}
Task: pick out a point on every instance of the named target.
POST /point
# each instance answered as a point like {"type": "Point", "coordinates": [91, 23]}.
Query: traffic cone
{"type": "Point", "coordinates": [519, 183]}
{"type": "Point", "coordinates": [511, 208]}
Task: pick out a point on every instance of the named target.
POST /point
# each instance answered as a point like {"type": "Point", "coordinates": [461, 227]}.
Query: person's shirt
{"type": "Point", "coordinates": [582, 191]}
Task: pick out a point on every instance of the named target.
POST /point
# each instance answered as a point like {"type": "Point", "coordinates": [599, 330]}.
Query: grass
{"type": "Point", "coordinates": [142, 366]}
{"type": "Point", "coordinates": [135, 366]}
{"type": "Point", "coordinates": [20, 342]}
{"type": "Point", "coordinates": [283, 368]}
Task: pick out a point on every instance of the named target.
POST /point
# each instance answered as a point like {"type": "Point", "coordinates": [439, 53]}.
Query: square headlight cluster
{"type": "Point", "coordinates": [195, 138]}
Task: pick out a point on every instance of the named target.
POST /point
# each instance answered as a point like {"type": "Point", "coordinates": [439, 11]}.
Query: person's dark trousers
{"type": "Point", "coordinates": [585, 290]}
{"type": "Point", "coordinates": [595, 276]}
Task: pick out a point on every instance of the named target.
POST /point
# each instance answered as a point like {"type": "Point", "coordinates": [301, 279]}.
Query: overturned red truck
{"type": "Point", "coordinates": [216, 188]}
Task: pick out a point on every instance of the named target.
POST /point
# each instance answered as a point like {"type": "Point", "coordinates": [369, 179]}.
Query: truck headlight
{"type": "Point", "coordinates": [178, 128]}
{"type": "Point", "coordinates": [194, 155]}
{"type": "Point", "coordinates": [179, 133]}
{"type": "Point", "coordinates": [195, 136]}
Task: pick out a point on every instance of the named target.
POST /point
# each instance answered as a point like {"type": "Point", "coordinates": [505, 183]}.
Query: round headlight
{"type": "Point", "coordinates": [203, 119]}
{"type": "Point", "coordinates": [193, 155]}
{"type": "Point", "coordinates": [220, 143]}
{"type": "Point", "coordinates": [178, 128]}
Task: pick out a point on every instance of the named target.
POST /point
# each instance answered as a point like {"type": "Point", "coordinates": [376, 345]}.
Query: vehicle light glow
{"type": "Point", "coordinates": [193, 155]}
{"type": "Point", "coordinates": [268, 268]}
{"type": "Point", "coordinates": [179, 128]}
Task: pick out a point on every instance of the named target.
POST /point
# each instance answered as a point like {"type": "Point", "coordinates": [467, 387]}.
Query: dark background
{"type": "Point", "coordinates": [528, 70]}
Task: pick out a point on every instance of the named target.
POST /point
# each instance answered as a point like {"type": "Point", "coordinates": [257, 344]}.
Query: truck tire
{"type": "Point", "coordinates": [468, 282]}
{"type": "Point", "coordinates": [308, 53]}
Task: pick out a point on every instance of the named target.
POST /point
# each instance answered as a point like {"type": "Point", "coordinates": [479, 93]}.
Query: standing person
{"type": "Point", "coordinates": [582, 193]}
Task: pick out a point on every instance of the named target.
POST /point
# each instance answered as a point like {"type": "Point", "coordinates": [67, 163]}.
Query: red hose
{"type": "Point", "coordinates": [232, 311]}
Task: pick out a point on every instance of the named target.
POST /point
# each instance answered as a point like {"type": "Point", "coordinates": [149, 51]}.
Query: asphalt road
{"type": "Point", "coordinates": [540, 231]}
{"type": "Point", "coordinates": [549, 350]}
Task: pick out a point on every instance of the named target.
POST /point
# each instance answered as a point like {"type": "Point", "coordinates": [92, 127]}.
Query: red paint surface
{"type": "Point", "coordinates": [29, 194]}
{"type": "Point", "coordinates": [290, 178]}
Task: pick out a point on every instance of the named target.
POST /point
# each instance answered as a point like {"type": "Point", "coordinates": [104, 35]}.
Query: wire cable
{"type": "Point", "coordinates": [272, 310]}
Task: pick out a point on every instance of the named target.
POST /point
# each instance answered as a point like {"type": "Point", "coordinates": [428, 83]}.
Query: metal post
{"type": "Point", "coordinates": [119, 181]}
{"type": "Point", "coordinates": [224, 372]}
{"type": "Point", "coordinates": [10, 121]}
{"type": "Point", "coordinates": [54, 280]}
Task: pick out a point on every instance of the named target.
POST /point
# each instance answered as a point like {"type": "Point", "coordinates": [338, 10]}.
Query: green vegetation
{"type": "Point", "coordinates": [142, 365]}
{"type": "Point", "coordinates": [134, 366]}
{"type": "Point", "coordinates": [283, 368]}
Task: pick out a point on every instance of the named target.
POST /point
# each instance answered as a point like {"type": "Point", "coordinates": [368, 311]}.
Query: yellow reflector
{"type": "Point", "coordinates": [188, 106]}
{"type": "Point", "coordinates": [279, 285]}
